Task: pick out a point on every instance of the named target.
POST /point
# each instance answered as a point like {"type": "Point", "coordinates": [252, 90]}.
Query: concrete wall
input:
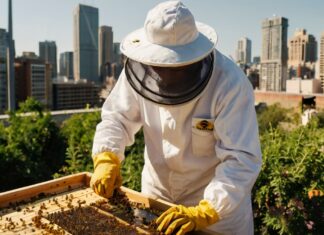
{"type": "Point", "coordinates": [287, 100]}
{"type": "Point", "coordinates": [308, 86]}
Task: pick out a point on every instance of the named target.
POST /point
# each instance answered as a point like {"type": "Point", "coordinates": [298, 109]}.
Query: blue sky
{"type": "Point", "coordinates": [38, 20]}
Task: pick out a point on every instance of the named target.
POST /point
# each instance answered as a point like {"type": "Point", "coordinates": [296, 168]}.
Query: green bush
{"type": "Point", "coordinates": [78, 131]}
{"type": "Point", "coordinates": [293, 164]}
{"type": "Point", "coordinates": [31, 147]}
{"type": "Point", "coordinates": [319, 119]}
{"type": "Point", "coordinates": [271, 116]}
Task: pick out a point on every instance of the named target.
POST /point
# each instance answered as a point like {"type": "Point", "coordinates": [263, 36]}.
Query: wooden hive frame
{"type": "Point", "coordinates": [19, 206]}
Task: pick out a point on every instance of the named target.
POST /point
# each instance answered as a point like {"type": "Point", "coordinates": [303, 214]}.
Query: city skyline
{"type": "Point", "coordinates": [40, 20]}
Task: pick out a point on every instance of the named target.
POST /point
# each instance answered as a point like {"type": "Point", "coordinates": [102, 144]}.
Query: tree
{"type": "Point", "coordinates": [31, 105]}
{"type": "Point", "coordinates": [31, 147]}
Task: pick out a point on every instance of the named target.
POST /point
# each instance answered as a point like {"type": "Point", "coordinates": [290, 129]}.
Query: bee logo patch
{"type": "Point", "coordinates": [203, 124]}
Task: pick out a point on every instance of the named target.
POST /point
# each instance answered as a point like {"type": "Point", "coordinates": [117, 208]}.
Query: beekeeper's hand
{"type": "Point", "coordinates": [181, 219]}
{"type": "Point", "coordinates": [106, 176]}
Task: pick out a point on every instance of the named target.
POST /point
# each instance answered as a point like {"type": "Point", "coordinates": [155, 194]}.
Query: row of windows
{"type": "Point", "coordinates": [80, 99]}
{"type": "Point", "coordinates": [39, 81]}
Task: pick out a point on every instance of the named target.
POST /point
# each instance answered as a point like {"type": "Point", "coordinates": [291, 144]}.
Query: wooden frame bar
{"type": "Point", "coordinates": [15, 205]}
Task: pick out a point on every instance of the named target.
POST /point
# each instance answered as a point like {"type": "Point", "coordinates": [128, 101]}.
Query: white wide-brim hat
{"type": "Point", "coordinates": [170, 37]}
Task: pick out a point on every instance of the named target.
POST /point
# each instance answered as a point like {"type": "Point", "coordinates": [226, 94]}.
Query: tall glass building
{"type": "Point", "coordinates": [48, 53]}
{"type": "Point", "coordinates": [86, 23]}
{"type": "Point", "coordinates": [66, 65]}
{"type": "Point", "coordinates": [3, 70]}
{"type": "Point", "coordinates": [105, 51]}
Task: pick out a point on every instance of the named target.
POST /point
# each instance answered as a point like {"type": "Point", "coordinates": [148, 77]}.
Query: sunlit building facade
{"type": "Point", "coordinates": [33, 79]}
{"type": "Point", "coordinates": [302, 55]}
{"type": "Point", "coordinates": [321, 61]}
{"type": "Point", "coordinates": [243, 51]}
{"type": "Point", "coordinates": [274, 56]}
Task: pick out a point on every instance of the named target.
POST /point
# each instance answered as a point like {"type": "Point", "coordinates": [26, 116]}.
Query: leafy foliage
{"type": "Point", "coordinates": [31, 148]}
{"type": "Point", "coordinates": [293, 164]}
{"type": "Point", "coordinates": [271, 116]}
{"type": "Point", "coordinates": [31, 105]}
{"type": "Point", "coordinates": [319, 119]}
{"type": "Point", "coordinates": [133, 163]}
{"type": "Point", "coordinates": [79, 131]}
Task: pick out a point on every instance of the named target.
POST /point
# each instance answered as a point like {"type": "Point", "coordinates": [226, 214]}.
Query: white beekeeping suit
{"type": "Point", "coordinates": [198, 145]}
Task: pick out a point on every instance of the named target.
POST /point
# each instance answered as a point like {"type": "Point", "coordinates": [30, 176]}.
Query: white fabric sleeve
{"type": "Point", "coordinates": [120, 120]}
{"type": "Point", "coordinates": [238, 149]}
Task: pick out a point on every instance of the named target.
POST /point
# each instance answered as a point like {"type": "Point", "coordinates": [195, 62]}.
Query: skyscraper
{"type": "Point", "coordinates": [302, 48]}
{"type": "Point", "coordinates": [47, 52]}
{"type": "Point", "coordinates": [117, 53]}
{"type": "Point", "coordinates": [243, 51]}
{"type": "Point", "coordinates": [3, 43]}
{"type": "Point", "coordinates": [86, 23]}
{"type": "Point", "coordinates": [10, 63]}
{"type": "Point", "coordinates": [256, 60]}
{"type": "Point", "coordinates": [321, 61]}
{"type": "Point", "coordinates": [105, 51]}
{"type": "Point", "coordinates": [3, 70]}
{"type": "Point", "coordinates": [302, 54]}
{"type": "Point", "coordinates": [66, 65]}
{"type": "Point", "coordinates": [3, 86]}
{"type": "Point", "coordinates": [274, 55]}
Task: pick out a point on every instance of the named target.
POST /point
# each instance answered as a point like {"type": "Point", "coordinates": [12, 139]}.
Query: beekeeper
{"type": "Point", "coordinates": [196, 108]}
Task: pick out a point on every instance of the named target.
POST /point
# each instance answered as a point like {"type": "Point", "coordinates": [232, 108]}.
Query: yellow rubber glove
{"type": "Point", "coordinates": [181, 219]}
{"type": "Point", "coordinates": [106, 176]}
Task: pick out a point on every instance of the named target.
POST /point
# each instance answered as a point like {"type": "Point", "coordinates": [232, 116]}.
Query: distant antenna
{"type": "Point", "coordinates": [10, 63]}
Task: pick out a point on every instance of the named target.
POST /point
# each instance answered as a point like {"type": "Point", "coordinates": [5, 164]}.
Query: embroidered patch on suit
{"type": "Point", "coordinates": [203, 124]}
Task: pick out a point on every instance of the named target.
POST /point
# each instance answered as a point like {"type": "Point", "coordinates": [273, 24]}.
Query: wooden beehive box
{"type": "Point", "coordinates": [20, 207]}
